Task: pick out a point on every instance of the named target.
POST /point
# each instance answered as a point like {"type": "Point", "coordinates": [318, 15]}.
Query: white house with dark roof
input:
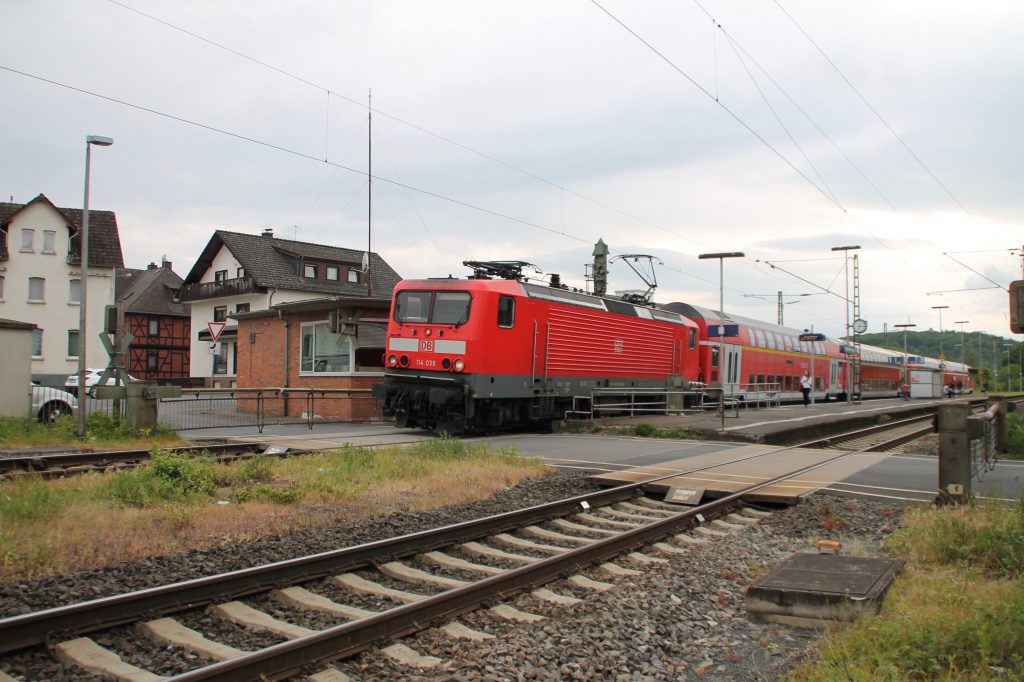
{"type": "Point", "coordinates": [41, 281]}
{"type": "Point", "coordinates": [240, 273]}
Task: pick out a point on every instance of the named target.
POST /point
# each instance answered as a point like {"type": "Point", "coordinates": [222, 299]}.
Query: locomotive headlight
{"type": "Point", "coordinates": [459, 365]}
{"type": "Point", "coordinates": [392, 360]}
{"type": "Point", "coordinates": [426, 332]}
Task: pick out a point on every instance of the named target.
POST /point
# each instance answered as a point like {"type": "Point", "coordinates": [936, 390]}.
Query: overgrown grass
{"type": "Point", "coordinates": [956, 613]}
{"type": "Point", "coordinates": [641, 429]}
{"type": "Point", "coordinates": [1014, 435]}
{"type": "Point", "coordinates": [179, 502]}
{"type": "Point", "coordinates": [100, 429]}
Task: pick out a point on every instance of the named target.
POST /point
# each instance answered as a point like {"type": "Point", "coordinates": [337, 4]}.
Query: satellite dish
{"type": "Point", "coordinates": [366, 261]}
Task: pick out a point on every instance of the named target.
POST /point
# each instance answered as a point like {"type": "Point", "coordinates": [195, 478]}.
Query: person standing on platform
{"type": "Point", "coordinates": [805, 388]}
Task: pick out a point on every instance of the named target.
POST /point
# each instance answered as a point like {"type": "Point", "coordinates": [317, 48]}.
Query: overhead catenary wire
{"type": "Point", "coordinates": [871, 108]}
{"type": "Point", "coordinates": [710, 95]}
{"type": "Point", "coordinates": [311, 157]}
{"type": "Point", "coordinates": [404, 122]}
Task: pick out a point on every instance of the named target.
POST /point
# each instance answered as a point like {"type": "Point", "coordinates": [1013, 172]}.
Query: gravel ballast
{"type": "Point", "coordinates": [681, 620]}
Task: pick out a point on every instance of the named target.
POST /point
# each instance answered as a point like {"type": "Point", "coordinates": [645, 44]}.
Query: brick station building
{"type": "Point", "coordinates": [295, 345]}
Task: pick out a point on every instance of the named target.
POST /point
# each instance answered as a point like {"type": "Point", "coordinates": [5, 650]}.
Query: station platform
{"type": "Point", "coordinates": [786, 424]}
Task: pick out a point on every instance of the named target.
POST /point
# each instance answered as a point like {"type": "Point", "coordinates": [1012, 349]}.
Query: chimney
{"type": "Point", "coordinates": [268, 232]}
{"type": "Point", "coordinates": [164, 263]}
{"type": "Point", "coordinates": [151, 266]}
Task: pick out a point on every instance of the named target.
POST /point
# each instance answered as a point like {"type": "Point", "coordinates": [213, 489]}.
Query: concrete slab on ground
{"type": "Point", "coordinates": [812, 590]}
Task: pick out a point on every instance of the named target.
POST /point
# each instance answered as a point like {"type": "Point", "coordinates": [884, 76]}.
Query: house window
{"type": "Point", "coordinates": [75, 291]}
{"type": "Point", "coordinates": [49, 241]}
{"type": "Point", "coordinates": [506, 312]}
{"type": "Point", "coordinates": [1, 287]}
{"type": "Point", "coordinates": [323, 351]}
{"type": "Point", "coordinates": [154, 326]}
{"type": "Point", "coordinates": [27, 237]}
{"type": "Point", "coordinates": [240, 273]}
{"type": "Point", "coordinates": [220, 313]}
{"type": "Point", "coordinates": [152, 360]}
{"type": "Point", "coordinates": [72, 343]}
{"type": "Point", "coordinates": [220, 360]}
{"type": "Point", "coordinates": [353, 276]}
{"type": "Point", "coordinates": [309, 270]}
{"type": "Point", "coordinates": [37, 343]}
{"type": "Point", "coordinates": [220, 276]}
{"type": "Point", "coordinates": [332, 273]}
{"type": "Point", "coordinates": [36, 289]}
{"type": "Point", "coordinates": [242, 308]}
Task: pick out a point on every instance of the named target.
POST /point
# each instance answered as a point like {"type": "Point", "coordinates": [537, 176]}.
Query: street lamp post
{"type": "Point", "coordinates": [846, 304]}
{"type": "Point", "coordinates": [721, 323]}
{"type": "Point", "coordinates": [83, 243]}
{"type": "Point", "coordinates": [963, 344]}
{"type": "Point", "coordinates": [906, 365]}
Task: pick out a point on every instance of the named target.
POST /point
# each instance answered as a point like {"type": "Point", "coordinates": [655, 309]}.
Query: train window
{"type": "Point", "coordinates": [693, 338]}
{"type": "Point", "coordinates": [789, 343]}
{"type": "Point", "coordinates": [760, 379]}
{"type": "Point", "coordinates": [819, 383]}
{"type": "Point", "coordinates": [750, 380]}
{"type": "Point", "coordinates": [760, 339]}
{"type": "Point", "coordinates": [771, 341]}
{"type": "Point", "coordinates": [714, 356]}
{"type": "Point", "coordinates": [412, 306]}
{"type": "Point", "coordinates": [450, 307]}
{"type": "Point", "coordinates": [506, 312]}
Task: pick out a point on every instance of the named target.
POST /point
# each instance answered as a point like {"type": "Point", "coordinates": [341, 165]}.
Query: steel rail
{"type": "Point", "coordinates": [40, 462]}
{"type": "Point", "coordinates": [285, 659]}
{"type": "Point", "coordinates": [20, 631]}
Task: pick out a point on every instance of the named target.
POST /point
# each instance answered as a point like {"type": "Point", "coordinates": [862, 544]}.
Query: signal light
{"type": "Point", "coordinates": [404, 361]}
{"type": "Point", "coordinates": [392, 360]}
{"type": "Point", "coordinates": [459, 365]}
{"type": "Point", "coordinates": [446, 363]}
{"type": "Point", "coordinates": [426, 332]}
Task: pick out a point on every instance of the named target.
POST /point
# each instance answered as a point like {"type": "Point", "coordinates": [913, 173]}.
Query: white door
{"type": "Point", "coordinates": [835, 376]}
{"type": "Point", "coordinates": [731, 370]}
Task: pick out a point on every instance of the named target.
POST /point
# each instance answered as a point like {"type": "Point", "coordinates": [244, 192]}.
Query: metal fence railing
{"type": "Point", "coordinates": [206, 408]}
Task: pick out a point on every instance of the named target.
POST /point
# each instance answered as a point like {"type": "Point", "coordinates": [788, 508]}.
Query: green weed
{"type": "Point", "coordinates": [30, 498]}
{"type": "Point", "coordinates": [985, 536]}
{"type": "Point", "coordinates": [168, 477]}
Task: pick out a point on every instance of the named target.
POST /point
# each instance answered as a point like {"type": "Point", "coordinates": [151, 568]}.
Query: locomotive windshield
{"type": "Point", "coordinates": [437, 307]}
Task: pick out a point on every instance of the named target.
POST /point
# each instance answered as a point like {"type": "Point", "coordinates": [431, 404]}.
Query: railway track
{"type": "Point", "coordinates": [312, 610]}
{"type": "Point", "coordinates": [67, 463]}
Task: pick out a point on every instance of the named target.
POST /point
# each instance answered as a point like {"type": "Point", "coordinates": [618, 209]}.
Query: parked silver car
{"type": "Point", "coordinates": [50, 404]}
{"type": "Point", "coordinates": [92, 378]}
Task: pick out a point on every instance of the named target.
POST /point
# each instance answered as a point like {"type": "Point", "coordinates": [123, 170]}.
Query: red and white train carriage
{"type": "Point", "coordinates": [484, 352]}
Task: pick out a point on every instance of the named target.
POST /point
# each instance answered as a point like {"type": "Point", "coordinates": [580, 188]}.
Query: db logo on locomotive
{"type": "Point", "coordinates": [426, 345]}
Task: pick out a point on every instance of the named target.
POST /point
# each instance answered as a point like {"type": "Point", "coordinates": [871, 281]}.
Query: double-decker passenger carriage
{"type": "Point", "coordinates": [768, 360]}
{"type": "Point", "coordinates": [495, 350]}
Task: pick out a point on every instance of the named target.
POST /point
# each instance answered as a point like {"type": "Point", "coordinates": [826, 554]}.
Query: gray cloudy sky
{"type": "Point", "coordinates": [597, 136]}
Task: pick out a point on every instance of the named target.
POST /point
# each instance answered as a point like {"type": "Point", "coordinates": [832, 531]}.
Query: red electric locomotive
{"type": "Point", "coordinates": [495, 350]}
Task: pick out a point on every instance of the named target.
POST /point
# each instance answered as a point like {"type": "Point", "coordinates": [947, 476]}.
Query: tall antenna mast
{"type": "Point", "coordinates": [369, 194]}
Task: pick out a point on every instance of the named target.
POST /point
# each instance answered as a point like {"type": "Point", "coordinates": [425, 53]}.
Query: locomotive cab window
{"type": "Point", "coordinates": [437, 307]}
{"type": "Point", "coordinates": [693, 338]}
{"type": "Point", "coordinates": [412, 306]}
{"type": "Point", "coordinates": [450, 307]}
{"type": "Point", "coordinates": [507, 312]}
